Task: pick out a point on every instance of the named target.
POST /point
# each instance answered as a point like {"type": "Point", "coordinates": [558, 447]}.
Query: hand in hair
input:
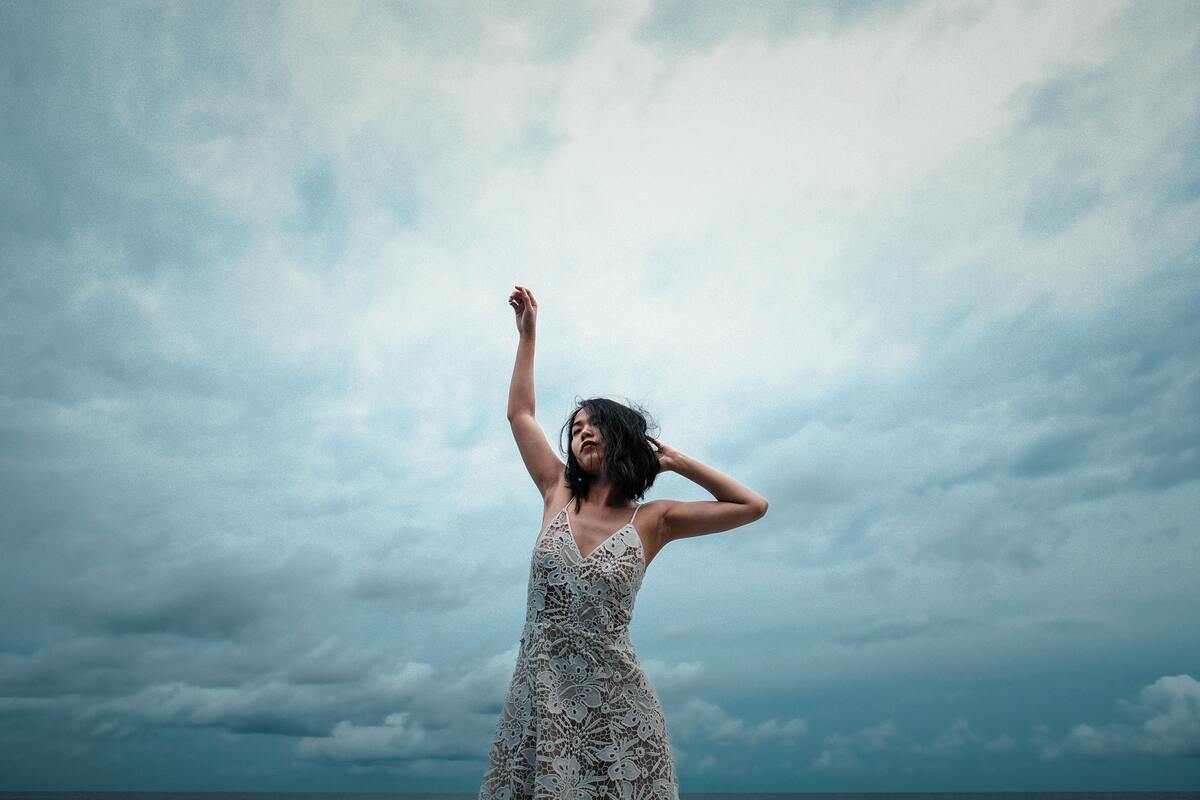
{"type": "Point", "coordinates": [668, 456]}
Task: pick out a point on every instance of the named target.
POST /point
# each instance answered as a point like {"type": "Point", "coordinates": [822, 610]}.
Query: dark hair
{"type": "Point", "coordinates": [630, 461]}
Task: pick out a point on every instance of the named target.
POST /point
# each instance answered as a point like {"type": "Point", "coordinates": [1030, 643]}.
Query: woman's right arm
{"type": "Point", "coordinates": [543, 465]}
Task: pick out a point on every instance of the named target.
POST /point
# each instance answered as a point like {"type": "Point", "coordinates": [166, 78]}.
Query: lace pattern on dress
{"type": "Point", "coordinates": [581, 719]}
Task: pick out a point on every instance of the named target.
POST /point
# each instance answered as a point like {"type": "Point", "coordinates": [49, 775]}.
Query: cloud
{"type": "Point", "coordinates": [899, 630]}
{"type": "Point", "coordinates": [699, 26]}
{"type": "Point", "coordinates": [286, 708]}
{"type": "Point", "coordinates": [923, 274]}
{"type": "Point", "coordinates": [956, 738]}
{"type": "Point", "coordinates": [879, 744]}
{"type": "Point", "coordinates": [1167, 724]}
{"type": "Point", "coordinates": [1001, 744]}
{"type": "Point", "coordinates": [702, 719]}
{"type": "Point", "coordinates": [844, 751]}
{"type": "Point", "coordinates": [674, 677]}
{"type": "Point", "coordinates": [399, 737]}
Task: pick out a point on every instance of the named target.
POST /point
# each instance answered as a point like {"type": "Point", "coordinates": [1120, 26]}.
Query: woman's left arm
{"type": "Point", "coordinates": [735, 504]}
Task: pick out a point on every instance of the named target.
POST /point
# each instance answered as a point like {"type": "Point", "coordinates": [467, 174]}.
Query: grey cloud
{"type": "Point", "coordinates": [1001, 744]}
{"type": "Point", "coordinates": [879, 744]}
{"type": "Point", "coordinates": [324, 219]}
{"type": "Point", "coordinates": [535, 141]}
{"type": "Point", "coordinates": [700, 26]}
{"type": "Point", "coordinates": [844, 751]}
{"type": "Point", "coordinates": [188, 514]}
{"type": "Point", "coordinates": [1077, 104]}
{"type": "Point", "coordinates": [1075, 95]}
{"type": "Point", "coordinates": [897, 630]}
{"type": "Point", "coordinates": [952, 741]}
{"type": "Point", "coordinates": [221, 600]}
{"type": "Point", "coordinates": [403, 588]}
{"type": "Point", "coordinates": [1058, 626]}
{"type": "Point", "coordinates": [78, 666]}
{"type": "Point", "coordinates": [701, 719]}
{"type": "Point", "coordinates": [1178, 184]}
{"type": "Point", "coordinates": [68, 80]}
{"type": "Point", "coordinates": [1057, 203]}
{"type": "Point", "coordinates": [122, 586]}
{"type": "Point", "coordinates": [1090, 408]}
{"type": "Point", "coordinates": [1086, 107]}
{"type": "Point", "coordinates": [1053, 453]}
{"type": "Point", "coordinates": [274, 707]}
{"type": "Point", "coordinates": [556, 32]}
{"type": "Point", "coordinates": [399, 737]}
{"type": "Point", "coordinates": [669, 678]}
{"type": "Point", "coordinates": [1168, 725]}
{"type": "Point", "coordinates": [431, 728]}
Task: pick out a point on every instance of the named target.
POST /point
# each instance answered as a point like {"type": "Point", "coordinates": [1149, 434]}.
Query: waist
{"type": "Point", "coordinates": [574, 629]}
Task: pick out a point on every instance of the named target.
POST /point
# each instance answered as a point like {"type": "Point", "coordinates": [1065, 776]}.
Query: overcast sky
{"type": "Point", "coordinates": [925, 275]}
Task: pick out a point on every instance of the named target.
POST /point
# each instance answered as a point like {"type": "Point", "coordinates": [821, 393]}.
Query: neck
{"type": "Point", "coordinates": [603, 493]}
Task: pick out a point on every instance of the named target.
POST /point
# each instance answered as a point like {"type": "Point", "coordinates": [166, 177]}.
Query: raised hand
{"type": "Point", "coordinates": [525, 308]}
{"type": "Point", "coordinates": [668, 456]}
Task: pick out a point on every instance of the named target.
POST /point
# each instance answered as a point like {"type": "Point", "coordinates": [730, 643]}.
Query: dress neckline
{"type": "Point", "coordinates": [571, 531]}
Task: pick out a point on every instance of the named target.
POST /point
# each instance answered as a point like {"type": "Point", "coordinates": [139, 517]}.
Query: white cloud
{"type": "Point", "coordinates": [957, 737]}
{"type": "Point", "coordinates": [1168, 724]}
{"type": "Point", "coordinates": [399, 737]}
{"type": "Point", "coordinates": [869, 745]}
{"type": "Point", "coordinates": [843, 751]}
{"type": "Point", "coordinates": [674, 677]}
{"type": "Point", "coordinates": [701, 719]}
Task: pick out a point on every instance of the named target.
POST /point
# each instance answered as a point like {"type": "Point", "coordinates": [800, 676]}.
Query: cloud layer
{"type": "Point", "coordinates": [923, 274]}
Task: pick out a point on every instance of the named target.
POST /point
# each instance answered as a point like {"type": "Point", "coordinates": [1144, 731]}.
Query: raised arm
{"type": "Point", "coordinates": [543, 465]}
{"type": "Point", "coordinates": [735, 505]}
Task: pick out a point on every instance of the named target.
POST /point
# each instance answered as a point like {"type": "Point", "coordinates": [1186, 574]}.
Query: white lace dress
{"type": "Point", "coordinates": [581, 720]}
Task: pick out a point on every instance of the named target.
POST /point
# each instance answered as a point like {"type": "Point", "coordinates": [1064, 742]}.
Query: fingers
{"type": "Point", "coordinates": [528, 295]}
{"type": "Point", "coordinates": [521, 298]}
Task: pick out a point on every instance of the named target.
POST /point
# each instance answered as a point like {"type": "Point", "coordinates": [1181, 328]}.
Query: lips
{"type": "Point", "coordinates": [586, 446]}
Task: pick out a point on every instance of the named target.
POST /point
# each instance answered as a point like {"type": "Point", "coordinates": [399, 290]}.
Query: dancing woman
{"type": "Point", "coordinates": [581, 719]}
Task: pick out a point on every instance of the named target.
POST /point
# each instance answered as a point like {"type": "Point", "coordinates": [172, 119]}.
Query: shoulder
{"type": "Point", "coordinates": [649, 520]}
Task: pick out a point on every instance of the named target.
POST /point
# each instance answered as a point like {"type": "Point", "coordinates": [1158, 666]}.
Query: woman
{"type": "Point", "coordinates": [581, 719]}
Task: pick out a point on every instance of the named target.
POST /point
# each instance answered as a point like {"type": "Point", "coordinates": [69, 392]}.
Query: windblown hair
{"type": "Point", "coordinates": [630, 461]}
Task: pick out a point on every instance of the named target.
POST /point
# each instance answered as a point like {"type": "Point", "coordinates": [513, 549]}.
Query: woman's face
{"type": "Point", "coordinates": [586, 442]}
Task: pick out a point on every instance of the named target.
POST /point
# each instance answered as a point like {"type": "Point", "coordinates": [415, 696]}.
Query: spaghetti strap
{"type": "Point", "coordinates": [631, 519]}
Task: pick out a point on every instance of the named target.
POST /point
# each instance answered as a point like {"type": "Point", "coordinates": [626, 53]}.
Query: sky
{"type": "Point", "coordinates": [924, 275]}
